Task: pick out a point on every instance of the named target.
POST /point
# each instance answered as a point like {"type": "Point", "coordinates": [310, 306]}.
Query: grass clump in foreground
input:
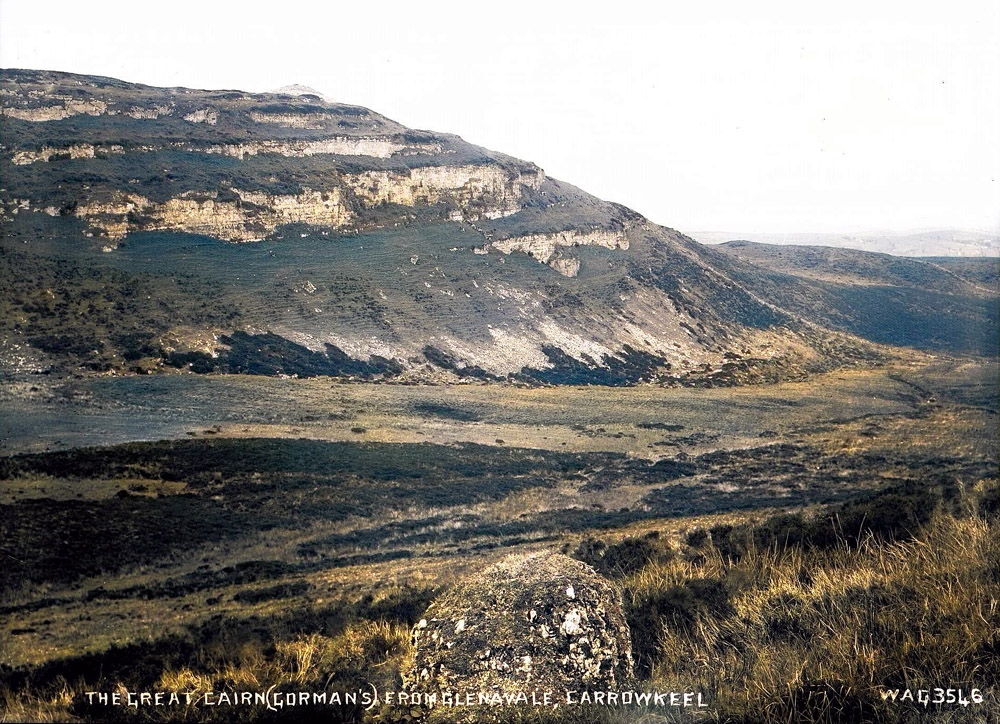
{"type": "Point", "coordinates": [814, 630]}
{"type": "Point", "coordinates": [794, 619]}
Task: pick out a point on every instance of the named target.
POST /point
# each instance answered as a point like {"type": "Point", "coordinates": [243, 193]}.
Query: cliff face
{"type": "Point", "coordinates": [375, 147]}
{"type": "Point", "coordinates": [361, 166]}
{"type": "Point", "coordinates": [248, 216]}
{"type": "Point", "coordinates": [550, 248]}
{"type": "Point", "coordinates": [488, 191]}
{"type": "Point", "coordinates": [472, 192]}
{"type": "Point", "coordinates": [377, 250]}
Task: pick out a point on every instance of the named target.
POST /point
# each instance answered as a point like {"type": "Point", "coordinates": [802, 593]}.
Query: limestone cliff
{"type": "Point", "coordinates": [488, 191]}
{"type": "Point", "coordinates": [148, 168]}
{"type": "Point", "coordinates": [41, 113]}
{"type": "Point", "coordinates": [251, 216]}
{"type": "Point", "coordinates": [550, 248]}
{"type": "Point", "coordinates": [374, 146]}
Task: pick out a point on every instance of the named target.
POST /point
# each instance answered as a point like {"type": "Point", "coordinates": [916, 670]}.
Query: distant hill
{"type": "Point", "coordinates": [946, 242]}
{"type": "Point", "coordinates": [984, 271]}
{"type": "Point", "coordinates": [929, 303]}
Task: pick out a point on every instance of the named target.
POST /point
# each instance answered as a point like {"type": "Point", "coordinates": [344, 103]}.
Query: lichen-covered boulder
{"type": "Point", "coordinates": [535, 622]}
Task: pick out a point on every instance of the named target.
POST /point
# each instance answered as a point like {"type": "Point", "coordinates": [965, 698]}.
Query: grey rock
{"type": "Point", "coordinates": [529, 623]}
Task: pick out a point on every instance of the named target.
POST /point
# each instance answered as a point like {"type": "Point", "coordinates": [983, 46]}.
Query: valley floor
{"type": "Point", "coordinates": [248, 531]}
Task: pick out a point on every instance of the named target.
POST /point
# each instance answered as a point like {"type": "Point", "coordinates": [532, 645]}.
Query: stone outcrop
{"type": "Point", "coordinates": [148, 113]}
{"type": "Point", "coordinates": [549, 248]}
{"type": "Point", "coordinates": [475, 191]}
{"type": "Point", "coordinates": [71, 107]}
{"type": "Point", "coordinates": [566, 265]}
{"type": "Point", "coordinates": [374, 146]}
{"type": "Point", "coordinates": [252, 216]}
{"type": "Point", "coordinates": [203, 115]}
{"type": "Point", "coordinates": [486, 191]}
{"type": "Point", "coordinates": [290, 120]}
{"type": "Point", "coordinates": [56, 112]}
{"type": "Point", "coordinates": [77, 150]}
{"type": "Point", "coordinates": [536, 622]}
{"type": "Point", "coordinates": [478, 191]}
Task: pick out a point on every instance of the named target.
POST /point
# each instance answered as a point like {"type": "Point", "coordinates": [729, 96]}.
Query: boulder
{"type": "Point", "coordinates": [529, 623]}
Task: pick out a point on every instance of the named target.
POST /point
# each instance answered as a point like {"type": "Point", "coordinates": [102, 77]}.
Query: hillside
{"type": "Point", "coordinates": [944, 304]}
{"type": "Point", "coordinates": [149, 229]}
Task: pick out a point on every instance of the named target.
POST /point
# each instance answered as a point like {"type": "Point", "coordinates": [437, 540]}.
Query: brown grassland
{"type": "Point", "coordinates": [847, 550]}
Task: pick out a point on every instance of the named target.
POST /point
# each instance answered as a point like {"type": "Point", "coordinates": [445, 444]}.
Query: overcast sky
{"type": "Point", "coordinates": [742, 116]}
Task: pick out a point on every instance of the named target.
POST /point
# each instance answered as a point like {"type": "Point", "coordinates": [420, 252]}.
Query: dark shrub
{"type": "Point", "coordinates": [136, 345]}
{"type": "Point", "coordinates": [893, 514]}
{"type": "Point", "coordinates": [282, 590]}
{"type": "Point", "coordinates": [623, 558]}
{"type": "Point", "coordinates": [406, 605]}
{"type": "Point", "coordinates": [200, 362]}
{"type": "Point", "coordinates": [731, 541]}
{"type": "Point", "coordinates": [782, 531]}
{"type": "Point", "coordinates": [67, 344]}
{"type": "Point", "coordinates": [696, 538]}
{"type": "Point", "coordinates": [989, 503]}
{"type": "Point", "coordinates": [448, 412]}
{"type": "Point", "coordinates": [677, 607]}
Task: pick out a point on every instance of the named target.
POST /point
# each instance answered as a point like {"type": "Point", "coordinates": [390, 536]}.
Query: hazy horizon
{"type": "Point", "coordinates": [765, 120]}
{"type": "Point", "coordinates": [915, 244]}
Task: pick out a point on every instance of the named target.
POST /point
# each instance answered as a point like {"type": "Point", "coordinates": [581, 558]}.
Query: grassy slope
{"type": "Point", "coordinates": [891, 300]}
{"type": "Point", "coordinates": [896, 593]}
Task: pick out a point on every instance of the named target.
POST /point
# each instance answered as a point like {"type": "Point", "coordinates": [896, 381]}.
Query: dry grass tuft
{"type": "Point", "coordinates": [814, 636]}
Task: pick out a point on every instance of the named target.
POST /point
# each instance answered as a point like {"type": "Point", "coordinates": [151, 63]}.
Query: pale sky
{"type": "Point", "coordinates": [746, 116]}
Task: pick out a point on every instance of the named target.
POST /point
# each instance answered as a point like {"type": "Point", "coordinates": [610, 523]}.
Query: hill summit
{"type": "Point", "coordinates": [297, 89]}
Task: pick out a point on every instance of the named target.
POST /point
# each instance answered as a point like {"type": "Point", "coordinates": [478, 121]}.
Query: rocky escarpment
{"type": "Point", "coordinates": [477, 191]}
{"type": "Point", "coordinates": [391, 252]}
{"type": "Point", "coordinates": [373, 146]}
{"type": "Point", "coordinates": [530, 623]}
{"type": "Point", "coordinates": [240, 215]}
{"type": "Point", "coordinates": [234, 214]}
{"type": "Point", "coordinates": [125, 157]}
{"type": "Point", "coordinates": [551, 248]}
{"type": "Point", "coordinates": [64, 109]}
